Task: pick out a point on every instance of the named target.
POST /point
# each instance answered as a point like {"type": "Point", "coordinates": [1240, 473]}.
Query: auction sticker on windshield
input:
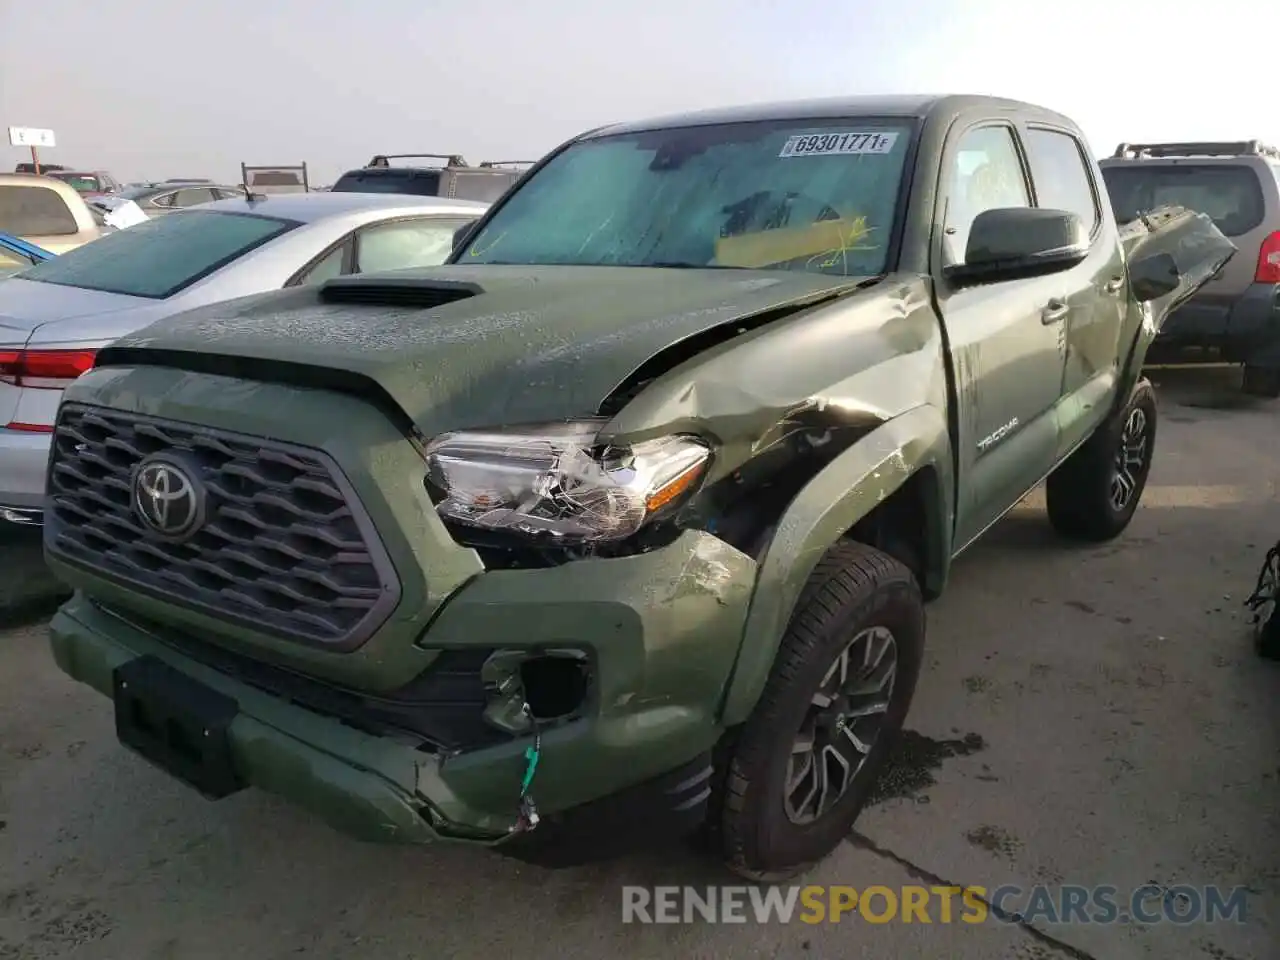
{"type": "Point", "coordinates": [826, 144]}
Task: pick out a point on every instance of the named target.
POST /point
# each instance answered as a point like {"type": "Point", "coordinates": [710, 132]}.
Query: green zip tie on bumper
{"type": "Point", "coordinates": [531, 755]}
{"type": "Point", "coordinates": [527, 811]}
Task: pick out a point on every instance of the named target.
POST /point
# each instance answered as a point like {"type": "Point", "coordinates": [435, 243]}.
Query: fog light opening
{"type": "Point", "coordinates": [554, 686]}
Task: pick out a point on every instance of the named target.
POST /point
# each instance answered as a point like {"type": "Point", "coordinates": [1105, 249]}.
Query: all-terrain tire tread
{"type": "Point", "coordinates": [846, 572]}
{"type": "Point", "coordinates": [1077, 492]}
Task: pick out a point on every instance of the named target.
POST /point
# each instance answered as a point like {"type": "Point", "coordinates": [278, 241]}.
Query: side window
{"type": "Point", "coordinates": [326, 268]}
{"type": "Point", "coordinates": [193, 197]}
{"type": "Point", "coordinates": [165, 200]}
{"type": "Point", "coordinates": [986, 175]}
{"type": "Point", "coordinates": [1062, 180]}
{"type": "Point", "coordinates": [405, 243]}
{"type": "Point", "coordinates": [225, 193]}
{"type": "Point", "coordinates": [481, 186]}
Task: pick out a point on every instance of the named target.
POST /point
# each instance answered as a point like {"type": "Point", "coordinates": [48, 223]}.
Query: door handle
{"type": "Point", "coordinates": [1054, 311]}
{"type": "Point", "coordinates": [1113, 285]}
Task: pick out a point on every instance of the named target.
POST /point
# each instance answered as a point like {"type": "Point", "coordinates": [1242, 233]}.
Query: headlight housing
{"type": "Point", "coordinates": [552, 481]}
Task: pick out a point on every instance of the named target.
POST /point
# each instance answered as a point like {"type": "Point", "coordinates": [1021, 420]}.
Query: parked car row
{"type": "Point", "coordinates": [85, 182]}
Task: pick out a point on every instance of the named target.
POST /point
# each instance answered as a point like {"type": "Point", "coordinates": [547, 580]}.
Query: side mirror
{"type": "Point", "coordinates": [1153, 277]}
{"type": "Point", "coordinates": [1010, 243]}
{"type": "Point", "coordinates": [463, 234]}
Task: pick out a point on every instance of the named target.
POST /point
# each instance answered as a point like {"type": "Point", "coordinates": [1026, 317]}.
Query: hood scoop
{"type": "Point", "coordinates": [383, 291]}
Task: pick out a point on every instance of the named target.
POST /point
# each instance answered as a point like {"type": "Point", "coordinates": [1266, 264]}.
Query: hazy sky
{"type": "Point", "coordinates": [166, 88]}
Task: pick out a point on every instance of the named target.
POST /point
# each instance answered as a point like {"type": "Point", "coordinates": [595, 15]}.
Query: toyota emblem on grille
{"type": "Point", "coordinates": [167, 499]}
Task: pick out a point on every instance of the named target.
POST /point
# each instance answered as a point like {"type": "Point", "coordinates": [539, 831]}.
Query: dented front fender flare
{"type": "Point", "coordinates": [837, 497]}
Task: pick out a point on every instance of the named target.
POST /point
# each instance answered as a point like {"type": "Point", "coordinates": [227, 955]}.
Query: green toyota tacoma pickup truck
{"type": "Point", "coordinates": [621, 524]}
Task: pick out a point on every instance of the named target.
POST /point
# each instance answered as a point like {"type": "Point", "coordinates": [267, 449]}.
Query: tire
{"type": "Point", "coordinates": [1265, 603]}
{"type": "Point", "coordinates": [1261, 382]}
{"type": "Point", "coordinates": [1084, 493]}
{"type": "Point", "coordinates": [854, 599]}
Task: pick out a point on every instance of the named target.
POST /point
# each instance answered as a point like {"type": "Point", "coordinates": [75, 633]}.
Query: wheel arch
{"type": "Point", "coordinates": [893, 488]}
{"type": "Point", "coordinates": [1140, 332]}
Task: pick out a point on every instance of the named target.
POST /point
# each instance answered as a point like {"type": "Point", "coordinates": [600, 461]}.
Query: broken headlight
{"type": "Point", "coordinates": [554, 481]}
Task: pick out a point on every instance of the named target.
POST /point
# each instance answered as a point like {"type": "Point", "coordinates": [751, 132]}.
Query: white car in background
{"type": "Point", "coordinates": [56, 315]}
{"type": "Point", "coordinates": [46, 212]}
{"type": "Point", "coordinates": [117, 212]}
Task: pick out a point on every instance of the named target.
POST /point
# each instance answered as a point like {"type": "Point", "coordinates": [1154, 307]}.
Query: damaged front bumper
{"type": "Point", "coordinates": [633, 764]}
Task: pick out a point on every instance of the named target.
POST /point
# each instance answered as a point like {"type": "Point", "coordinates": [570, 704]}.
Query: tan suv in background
{"type": "Point", "coordinates": [46, 212]}
{"type": "Point", "coordinates": [1234, 318]}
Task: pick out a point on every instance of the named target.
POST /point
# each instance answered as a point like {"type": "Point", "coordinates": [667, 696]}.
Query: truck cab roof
{"type": "Point", "coordinates": [918, 106]}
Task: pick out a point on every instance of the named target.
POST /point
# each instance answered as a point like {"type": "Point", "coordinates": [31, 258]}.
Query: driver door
{"type": "Point", "coordinates": [1007, 339]}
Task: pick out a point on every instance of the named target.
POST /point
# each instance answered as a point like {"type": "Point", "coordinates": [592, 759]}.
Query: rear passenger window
{"type": "Point", "coordinates": [193, 197]}
{"type": "Point", "coordinates": [35, 212]}
{"type": "Point", "coordinates": [406, 243]}
{"type": "Point", "coordinates": [327, 268]}
{"type": "Point", "coordinates": [481, 186]}
{"type": "Point", "coordinates": [1061, 177]}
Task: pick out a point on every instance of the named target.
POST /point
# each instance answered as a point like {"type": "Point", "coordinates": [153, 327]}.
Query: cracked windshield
{"type": "Point", "coordinates": [779, 196]}
{"type": "Point", "coordinates": [646, 480]}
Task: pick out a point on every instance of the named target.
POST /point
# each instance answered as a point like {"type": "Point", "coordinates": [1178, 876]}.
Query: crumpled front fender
{"type": "Point", "coordinates": [1198, 249]}
{"type": "Point", "coordinates": [846, 490]}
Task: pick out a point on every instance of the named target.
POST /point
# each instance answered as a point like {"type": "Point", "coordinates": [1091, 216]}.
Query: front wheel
{"type": "Point", "coordinates": [1095, 493]}
{"type": "Point", "coordinates": [802, 766]}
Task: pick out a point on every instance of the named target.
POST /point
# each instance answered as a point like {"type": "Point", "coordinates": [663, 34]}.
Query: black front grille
{"type": "Point", "coordinates": [284, 547]}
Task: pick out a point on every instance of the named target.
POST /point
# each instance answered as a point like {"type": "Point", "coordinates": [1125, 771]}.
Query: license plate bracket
{"type": "Point", "coordinates": [176, 723]}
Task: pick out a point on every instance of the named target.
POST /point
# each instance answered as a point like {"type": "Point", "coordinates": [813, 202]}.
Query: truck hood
{"type": "Point", "coordinates": [513, 345]}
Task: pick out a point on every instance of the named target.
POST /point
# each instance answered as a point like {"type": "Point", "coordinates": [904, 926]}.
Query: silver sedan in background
{"type": "Point", "coordinates": [159, 199]}
{"type": "Point", "coordinates": [56, 315]}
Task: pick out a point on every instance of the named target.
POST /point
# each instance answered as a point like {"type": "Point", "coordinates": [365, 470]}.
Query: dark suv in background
{"type": "Point", "coordinates": [453, 177]}
{"type": "Point", "coordinates": [1235, 318]}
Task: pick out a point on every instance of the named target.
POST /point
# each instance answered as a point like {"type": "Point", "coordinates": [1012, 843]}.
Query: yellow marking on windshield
{"type": "Point", "coordinates": [479, 251]}
{"type": "Point", "coordinates": [826, 239]}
